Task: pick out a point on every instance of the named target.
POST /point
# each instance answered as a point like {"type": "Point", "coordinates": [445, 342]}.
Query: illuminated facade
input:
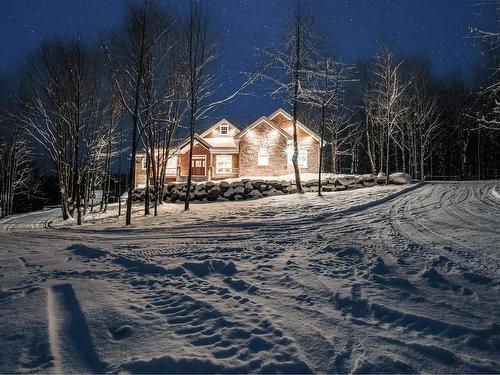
{"type": "Point", "coordinates": [263, 149]}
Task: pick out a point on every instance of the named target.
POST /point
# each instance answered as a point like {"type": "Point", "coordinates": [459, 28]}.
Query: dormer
{"type": "Point", "coordinates": [223, 128]}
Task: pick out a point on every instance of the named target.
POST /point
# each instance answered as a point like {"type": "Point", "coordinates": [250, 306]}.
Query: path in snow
{"type": "Point", "coordinates": [29, 221]}
{"type": "Point", "coordinates": [294, 283]}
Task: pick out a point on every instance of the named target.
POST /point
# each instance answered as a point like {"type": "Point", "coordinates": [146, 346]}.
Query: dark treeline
{"type": "Point", "coordinates": [90, 107]}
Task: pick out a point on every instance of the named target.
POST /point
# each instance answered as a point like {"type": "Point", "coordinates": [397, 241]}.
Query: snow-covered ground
{"type": "Point", "coordinates": [370, 280]}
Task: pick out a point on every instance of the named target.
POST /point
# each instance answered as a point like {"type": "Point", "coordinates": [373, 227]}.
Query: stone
{"type": "Point", "coordinates": [239, 190]}
{"type": "Point", "coordinates": [213, 194]}
{"type": "Point", "coordinates": [313, 182]}
{"type": "Point", "coordinates": [229, 193]}
{"type": "Point", "coordinates": [210, 185]}
{"type": "Point", "coordinates": [235, 184]}
{"type": "Point", "coordinates": [399, 178]}
{"type": "Point", "coordinates": [224, 186]}
{"type": "Point", "coordinates": [248, 187]}
{"type": "Point", "coordinates": [257, 183]}
{"type": "Point", "coordinates": [254, 194]}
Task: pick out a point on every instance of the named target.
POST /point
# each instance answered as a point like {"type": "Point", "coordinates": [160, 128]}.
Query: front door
{"type": "Point", "coordinates": [198, 165]}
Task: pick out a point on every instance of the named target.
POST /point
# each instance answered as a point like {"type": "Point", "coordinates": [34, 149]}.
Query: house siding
{"type": "Point", "coordinates": [263, 135]}
{"type": "Point", "coordinates": [198, 149]}
{"type": "Point", "coordinates": [305, 140]}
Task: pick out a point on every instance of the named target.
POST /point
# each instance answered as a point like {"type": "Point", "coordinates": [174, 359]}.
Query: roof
{"type": "Point", "coordinates": [218, 142]}
{"type": "Point", "coordinates": [288, 116]}
{"type": "Point", "coordinates": [266, 121]}
{"type": "Point", "coordinates": [197, 138]}
{"type": "Point", "coordinates": [217, 124]}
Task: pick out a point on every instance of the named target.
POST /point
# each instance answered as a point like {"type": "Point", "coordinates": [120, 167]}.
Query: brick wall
{"type": "Point", "coordinates": [250, 143]}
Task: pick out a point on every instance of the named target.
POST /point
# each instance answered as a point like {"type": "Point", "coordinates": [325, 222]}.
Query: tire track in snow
{"type": "Point", "coordinates": [70, 341]}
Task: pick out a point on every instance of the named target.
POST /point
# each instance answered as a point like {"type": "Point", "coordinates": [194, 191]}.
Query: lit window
{"type": "Point", "coordinates": [302, 157]}
{"type": "Point", "coordinates": [224, 164]}
{"type": "Point", "coordinates": [171, 167]}
{"type": "Point", "coordinates": [263, 156]}
{"type": "Point", "coordinates": [224, 130]}
{"type": "Point", "coordinates": [143, 164]}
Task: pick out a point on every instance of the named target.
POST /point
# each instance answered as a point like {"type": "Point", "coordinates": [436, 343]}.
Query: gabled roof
{"type": "Point", "coordinates": [221, 122]}
{"type": "Point", "coordinates": [197, 138]}
{"type": "Point", "coordinates": [268, 122]}
{"type": "Point", "coordinates": [299, 124]}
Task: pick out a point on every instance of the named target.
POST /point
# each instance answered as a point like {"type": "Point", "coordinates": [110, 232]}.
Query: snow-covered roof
{"type": "Point", "coordinates": [221, 142]}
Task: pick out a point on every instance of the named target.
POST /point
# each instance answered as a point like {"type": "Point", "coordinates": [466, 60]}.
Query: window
{"type": "Point", "coordinates": [171, 167]}
{"type": "Point", "coordinates": [223, 130]}
{"type": "Point", "coordinates": [263, 156]}
{"type": "Point", "coordinates": [302, 157]}
{"type": "Point", "coordinates": [143, 164]}
{"type": "Point", "coordinates": [223, 164]}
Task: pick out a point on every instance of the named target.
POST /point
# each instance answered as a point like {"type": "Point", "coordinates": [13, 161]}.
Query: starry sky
{"type": "Point", "coordinates": [437, 29]}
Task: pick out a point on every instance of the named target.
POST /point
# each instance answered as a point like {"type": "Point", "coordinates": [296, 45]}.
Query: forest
{"type": "Point", "coordinates": [86, 108]}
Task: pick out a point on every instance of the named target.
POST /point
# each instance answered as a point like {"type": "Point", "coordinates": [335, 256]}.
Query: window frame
{"type": "Point", "coordinates": [169, 170]}
{"type": "Point", "coordinates": [305, 157]}
{"type": "Point", "coordinates": [224, 126]}
{"type": "Point", "coordinates": [261, 156]}
{"type": "Point", "coordinates": [143, 164]}
{"type": "Point", "coordinates": [227, 160]}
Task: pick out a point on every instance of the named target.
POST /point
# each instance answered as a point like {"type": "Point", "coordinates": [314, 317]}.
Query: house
{"type": "Point", "coordinates": [262, 149]}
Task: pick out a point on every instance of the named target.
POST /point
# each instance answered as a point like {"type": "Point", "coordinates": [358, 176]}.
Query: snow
{"type": "Point", "coordinates": [387, 279]}
{"type": "Point", "coordinates": [221, 142]}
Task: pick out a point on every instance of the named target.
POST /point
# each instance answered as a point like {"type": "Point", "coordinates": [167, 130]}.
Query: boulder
{"type": "Point", "coordinates": [240, 190]}
{"type": "Point", "coordinates": [257, 183]}
{"type": "Point", "coordinates": [224, 186]}
{"type": "Point", "coordinates": [229, 193]}
{"type": "Point", "coordinates": [346, 180]}
{"type": "Point", "coordinates": [254, 194]}
{"type": "Point", "coordinates": [313, 182]}
{"type": "Point", "coordinates": [381, 178]}
{"type": "Point", "coordinates": [327, 188]}
{"type": "Point", "coordinates": [276, 184]}
{"type": "Point", "coordinates": [399, 178]}
{"type": "Point", "coordinates": [263, 187]}
{"type": "Point", "coordinates": [213, 194]}
{"type": "Point", "coordinates": [200, 194]}
{"type": "Point", "coordinates": [238, 197]}
{"type": "Point", "coordinates": [235, 184]}
{"type": "Point", "coordinates": [248, 187]}
{"type": "Point", "coordinates": [268, 192]}
{"type": "Point", "coordinates": [209, 185]}
{"type": "Point", "coordinates": [330, 180]}
{"type": "Point", "coordinates": [199, 187]}
{"type": "Point", "coordinates": [292, 189]}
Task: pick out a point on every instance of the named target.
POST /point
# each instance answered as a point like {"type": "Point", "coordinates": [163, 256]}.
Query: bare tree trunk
{"type": "Point", "coordinates": [322, 130]}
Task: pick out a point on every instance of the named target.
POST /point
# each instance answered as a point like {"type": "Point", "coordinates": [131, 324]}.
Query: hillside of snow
{"type": "Point", "coordinates": [388, 279]}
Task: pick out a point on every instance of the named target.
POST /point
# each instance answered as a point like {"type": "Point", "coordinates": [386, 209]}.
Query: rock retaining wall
{"type": "Point", "coordinates": [253, 189]}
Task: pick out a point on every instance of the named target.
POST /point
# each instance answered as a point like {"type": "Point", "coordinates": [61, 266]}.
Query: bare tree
{"type": "Point", "coordinates": [384, 105]}
{"type": "Point", "coordinates": [130, 54]}
{"type": "Point", "coordinates": [287, 67]}
{"type": "Point", "coordinates": [323, 88]}
{"type": "Point", "coordinates": [201, 81]}
{"type": "Point", "coordinates": [61, 109]}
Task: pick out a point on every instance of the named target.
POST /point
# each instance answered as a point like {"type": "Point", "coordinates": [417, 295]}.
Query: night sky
{"type": "Point", "coordinates": [438, 29]}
